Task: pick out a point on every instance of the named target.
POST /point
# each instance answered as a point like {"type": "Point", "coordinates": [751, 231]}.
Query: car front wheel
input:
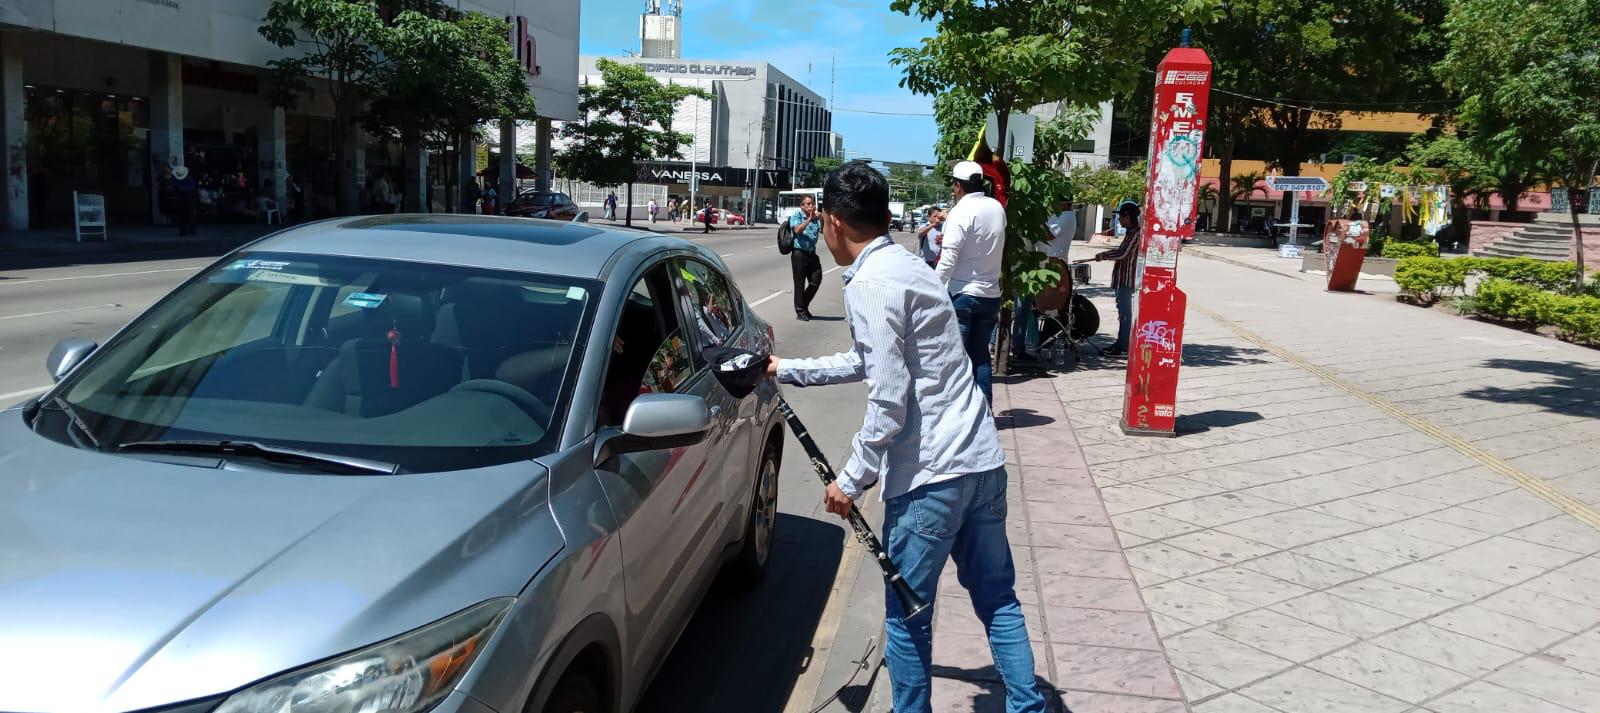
{"type": "Point", "coordinates": [758, 535]}
{"type": "Point", "coordinates": [576, 693]}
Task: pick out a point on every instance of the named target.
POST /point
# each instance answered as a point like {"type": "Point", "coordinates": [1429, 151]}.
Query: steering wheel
{"type": "Point", "coordinates": [529, 403]}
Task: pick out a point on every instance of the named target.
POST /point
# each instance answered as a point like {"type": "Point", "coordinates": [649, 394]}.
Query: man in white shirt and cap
{"type": "Point", "coordinates": [969, 266]}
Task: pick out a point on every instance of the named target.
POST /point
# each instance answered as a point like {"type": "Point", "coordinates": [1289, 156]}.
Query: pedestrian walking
{"type": "Point", "coordinates": [710, 216]}
{"type": "Point", "coordinates": [1124, 273]}
{"type": "Point", "coordinates": [928, 238]}
{"type": "Point", "coordinates": [653, 207]}
{"type": "Point", "coordinates": [186, 197]}
{"type": "Point", "coordinates": [1061, 227]}
{"type": "Point", "coordinates": [672, 210]}
{"type": "Point", "coordinates": [970, 256]}
{"type": "Point", "coordinates": [491, 199]}
{"type": "Point", "coordinates": [806, 226]}
{"type": "Point", "coordinates": [927, 439]}
{"type": "Point", "coordinates": [611, 206]}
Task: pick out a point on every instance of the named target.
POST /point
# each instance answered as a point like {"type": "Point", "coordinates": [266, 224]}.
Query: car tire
{"type": "Point", "coordinates": [759, 529]}
{"type": "Point", "coordinates": [576, 693]}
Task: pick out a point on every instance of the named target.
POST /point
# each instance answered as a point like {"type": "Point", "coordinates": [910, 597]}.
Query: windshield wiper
{"type": "Point", "coordinates": [262, 450]}
{"type": "Point", "coordinates": [60, 402]}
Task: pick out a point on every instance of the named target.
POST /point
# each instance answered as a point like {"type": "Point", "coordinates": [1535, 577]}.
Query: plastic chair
{"type": "Point", "coordinates": [267, 211]}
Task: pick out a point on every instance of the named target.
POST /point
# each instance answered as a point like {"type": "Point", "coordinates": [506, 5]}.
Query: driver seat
{"type": "Point", "coordinates": [358, 381]}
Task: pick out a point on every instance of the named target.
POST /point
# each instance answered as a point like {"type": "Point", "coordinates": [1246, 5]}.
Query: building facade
{"type": "Point", "coordinates": [107, 96]}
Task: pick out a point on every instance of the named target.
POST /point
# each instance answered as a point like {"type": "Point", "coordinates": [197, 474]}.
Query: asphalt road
{"type": "Point", "coordinates": [779, 646]}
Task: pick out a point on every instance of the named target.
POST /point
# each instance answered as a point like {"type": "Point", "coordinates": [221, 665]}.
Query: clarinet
{"type": "Point", "coordinates": [910, 603]}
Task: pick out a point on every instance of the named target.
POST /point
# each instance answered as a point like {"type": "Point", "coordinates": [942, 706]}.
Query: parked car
{"type": "Point", "coordinates": [731, 218]}
{"type": "Point", "coordinates": [719, 216]}
{"type": "Point", "coordinates": [403, 463]}
{"type": "Point", "coordinates": [543, 204]}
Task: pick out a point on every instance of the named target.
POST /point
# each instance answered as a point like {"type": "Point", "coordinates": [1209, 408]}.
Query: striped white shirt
{"type": "Point", "coordinates": [926, 420]}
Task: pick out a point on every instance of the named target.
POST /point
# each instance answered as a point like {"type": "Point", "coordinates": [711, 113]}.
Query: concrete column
{"type": "Point", "coordinates": [355, 152]}
{"type": "Point", "coordinates": [166, 120]}
{"type": "Point", "coordinates": [467, 174]}
{"type": "Point", "coordinates": [542, 155]}
{"type": "Point", "coordinates": [13, 135]}
{"type": "Point", "coordinates": [416, 177]}
{"type": "Point", "coordinates": [272, 160]}
{"type": "Point", "coordinates": [508, 162]}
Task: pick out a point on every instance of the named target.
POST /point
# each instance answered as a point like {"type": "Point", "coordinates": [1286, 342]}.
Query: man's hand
{"type": "Point", "coordinates": [837, 502]}
{"type": "Point", "coordinates": [772, 366]}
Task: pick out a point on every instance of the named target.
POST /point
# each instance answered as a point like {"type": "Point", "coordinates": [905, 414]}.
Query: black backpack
{"type": "Point", "coordinates": [785, 238]}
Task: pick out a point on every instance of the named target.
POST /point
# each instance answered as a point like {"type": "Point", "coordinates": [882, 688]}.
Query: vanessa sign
{"type": "Point", "coordinates": [660, 172]}
{"type": "Point", "coordinates": [1177, 135]}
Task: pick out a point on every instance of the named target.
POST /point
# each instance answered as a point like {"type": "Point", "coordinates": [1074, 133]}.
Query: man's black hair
{"type": "Point", "coordinates": [857, 194]}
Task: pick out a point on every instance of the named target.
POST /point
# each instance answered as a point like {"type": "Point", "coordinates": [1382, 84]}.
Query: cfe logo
{"type": "Point", "coordinates": [1185, 76]}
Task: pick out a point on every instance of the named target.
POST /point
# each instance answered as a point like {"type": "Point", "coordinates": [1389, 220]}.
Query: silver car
{"type": "Point", "coordinates": [392, 464]}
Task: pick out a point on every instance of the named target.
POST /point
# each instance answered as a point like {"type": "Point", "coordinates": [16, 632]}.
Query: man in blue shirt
{"type": "Point", "coordinates": [803, 262]}
{"type": "Point", "coordinates": [927, 437]}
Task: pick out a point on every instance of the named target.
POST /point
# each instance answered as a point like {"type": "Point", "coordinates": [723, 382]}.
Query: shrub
{"type": "Point", "coordinates": [1397, 249]}
{"type": "Point", "coordinates": [1428, 278]}
{"type": "Point", "coordinates": [1576, 318]}
{"type": "Point", "coordinates": [1545, 275]}
{"type": "Point", "coordinates": [1498, 297]}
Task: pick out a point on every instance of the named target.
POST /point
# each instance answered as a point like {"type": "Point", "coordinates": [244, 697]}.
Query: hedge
{"type": "Point", "coordinates": [1426, 279]}
{"type": "Point", "coordinates": [1576, 318]}
{"type": "Point", "coordinates": [1397, 249]}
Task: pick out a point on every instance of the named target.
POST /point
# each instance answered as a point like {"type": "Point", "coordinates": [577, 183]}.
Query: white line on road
{"type": "Point", "coordinates": [832, 269]}
{"type": "Point", "coordinates": [724, 254]}
{"type": "Point", "coordinates": [19, 394]}
{"type": "Point", "coordinates": [61, 311]}
{"type": "Point", "coordinates": [768, 298]}
{"type": "Point", "coordinates": [26, 281]}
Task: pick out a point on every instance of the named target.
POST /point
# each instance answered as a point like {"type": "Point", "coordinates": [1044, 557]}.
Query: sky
{"type": "Point", "coordinates": [799, 37]}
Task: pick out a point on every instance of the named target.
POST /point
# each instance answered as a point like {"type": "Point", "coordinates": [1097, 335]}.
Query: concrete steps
{"type": "Point", "coordinates": [1540, 241]}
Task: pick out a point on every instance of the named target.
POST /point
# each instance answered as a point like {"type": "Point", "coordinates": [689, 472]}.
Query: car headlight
{"type": "Point", "coordinates": [406, 674]}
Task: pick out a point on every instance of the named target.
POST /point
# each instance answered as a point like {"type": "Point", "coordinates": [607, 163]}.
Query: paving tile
{"type": "Point", "coordinates": [1192, 604]}
{"type": "Point", "coordinates": [1146, 578]}
{"type": "Point", "coordinates": [1526, 603]}
{"type": "Point", "coordinates": [1581, 652]}
{"type": "Point", "coordinates": [1341, 615]}
{"type": "Point", "coordinates": [1127, 498]}
{"type": "Point", "coordinates": [1220, 660]}
{"type": "Point", "coordinates": [1213, 510]}
{"type": "Point", "coordinates": [1353, 556]}
{"type": "Point", "coordinates": [1151, 525]}
{"type": "Point", "coordinates": [1388, 672]}
{"type": "Point", "coordinates": [1100, 627]}
{"type": "Point", "coordinates": [956, 616]}
{"type": "Point", "coordinates": [1587, 568]}
{"type": "Point", "coordinates": [1180, 486]}
{"type": "Point", "coordinates": [1453, 488]}
{"type": "Point", "coordinates": [1561, 532]}
{"type": "Point", "coordinates": [1485, 522]}
{"type": "Point", "coordinates": [1550, 681]}
{"type": "Point", "coordinates": [1232, 703]}
{"type": "Point", "coordinates": [1391, 500]}
{"type": "Point", "coordinates": [1393, 597]}
{"type": "Point", "coordinates": [1110, 670]}
{"type": "Point", "coordinates": [1505, 560]}
{"type": "Point", "coordinates": [1292, 528]}
{"type": "Point", "coordinates": [1387, 539]}
{"type": "Point", "coordinates": [1435, 578]}
{"type": "Point", "coordinates": [1456, 652]}
{"type": "Point", "coordinates": [1480, 697]}
{"type": "Point", "coordinates": [1220, 546]}
{"type": "Point", "coordinates": [1128, 539]}
{"type": "Point", "coordinates": [1302, 690]}
{"type": "Point", "coordinates": [1517, 504]}
{"type": "Point", "coordinates": [1092, 702]}
{"type": "Point", "coordinates": [1080, 562]}
{"type": "Point", "coordinates": [1280, 635]}
{"type": "Point", "coordinates": [1428, 528]}
{"type": "Point", "coordinates": [1074, 514]}
{"type": "Point", "coordinates": [1497, 628]}
{"type": "Point", "coordinates": [1167, 626]}
{"type": "Point", "coordinates": [968, 656]}
{"type": "Point", "coordinates": [1359, 511]}
{"type": "Point", "coordinates": [1194, 687]}
{"type": "Point", "coordinates": [1055, 534]}
{"type": "Point", "coordinates": [1168, 561]}
{"type": "Point", "coordinates": [1061, 590]}
{"type": "Point", "coordinates": [1309, 490]}
{"type": "Point", "coordinates": [1302, 570]}
{"type": "Point", "coordinates": [1247, 585]}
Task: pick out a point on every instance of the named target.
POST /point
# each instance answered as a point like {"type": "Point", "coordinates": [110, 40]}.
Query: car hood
{"type": "Point", "coordinates": [127, 583]}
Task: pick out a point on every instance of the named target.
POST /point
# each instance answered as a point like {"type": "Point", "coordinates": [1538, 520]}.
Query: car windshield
{"type": "Point", "coordinates": [424, 366]}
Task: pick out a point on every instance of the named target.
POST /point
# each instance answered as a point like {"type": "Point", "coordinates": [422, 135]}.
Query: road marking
{"type": "Point", "coordinates": [22, 393]}
{"type": "Point", "coordinates": [768, 298]}
{"type": "Point", "coordinates": [832, 269]}
{"type": "Point", "coordinates": [724, 254]}
{"type": "Point", "coordinates": [26, 281]}
{"type": "Point", "coordinates": [1533, 484]}
{"type": "Point", "coordinates": [61, 311]}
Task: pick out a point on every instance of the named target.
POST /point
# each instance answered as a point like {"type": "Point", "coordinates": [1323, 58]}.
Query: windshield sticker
{"type": "Point", "coordinates": [258, 265]}
{"type": "Point", "coordinates": [364, 300]}
{"type": "Point", "coordinates": [576, 293]}
{"type": "Point", "coordinates": [287, 278]}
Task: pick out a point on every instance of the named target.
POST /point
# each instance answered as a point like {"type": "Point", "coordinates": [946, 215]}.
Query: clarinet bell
{"type": "Point", "coordinates": [910, 603]}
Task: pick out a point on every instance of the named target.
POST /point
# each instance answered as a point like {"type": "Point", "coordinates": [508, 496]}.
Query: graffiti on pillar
{"type": "Point", "coordinates": [16, 165]}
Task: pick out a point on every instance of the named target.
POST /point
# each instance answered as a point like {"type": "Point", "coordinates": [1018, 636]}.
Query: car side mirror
{"type": "Point", "coordinates": [656, 422]}
{"type": "Point", "coordinates": [581, 217]}
{"type": "Point", "coordinates": [67, 355]}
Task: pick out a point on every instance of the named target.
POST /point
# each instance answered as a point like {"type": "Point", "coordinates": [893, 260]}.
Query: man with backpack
{"type": "Point", "coordinates": [806, 225]}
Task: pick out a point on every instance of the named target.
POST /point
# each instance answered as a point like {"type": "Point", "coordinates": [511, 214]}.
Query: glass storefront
{"type": "Point", "coordinates": [89, 142]}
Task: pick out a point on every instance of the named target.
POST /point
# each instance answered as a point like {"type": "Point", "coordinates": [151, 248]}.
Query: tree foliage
{"type": "Point", "coordinates": [1054, 138]}
{"type": "Point", "coordinates": [959, 116]}
{"type": "Point", "coordinates": [447, 72]}
{"type": "Point", "coordinates": [1109, 186]}
{"type": "Point", "coordinates": [627, 118]}
{"type": "Point", "coordinates": [1532, 68]}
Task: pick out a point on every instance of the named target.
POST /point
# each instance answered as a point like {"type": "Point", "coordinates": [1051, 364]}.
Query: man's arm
{"type": "Point", "coordinates": [879, 322]}
{"type": "Point", "coordinates": [954, 235]}
{"type": "Point", "coordinates": [841, 368]}
{"type": "Point", "coordinates": [1130, 240]}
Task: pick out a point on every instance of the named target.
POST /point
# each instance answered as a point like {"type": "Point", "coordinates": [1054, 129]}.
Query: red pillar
{"type": "Point", "coordinates": [1177, 135]}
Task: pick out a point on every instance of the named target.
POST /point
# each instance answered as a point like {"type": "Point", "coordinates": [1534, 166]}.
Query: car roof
{"type": "Point", "coordinates": [583, 250]}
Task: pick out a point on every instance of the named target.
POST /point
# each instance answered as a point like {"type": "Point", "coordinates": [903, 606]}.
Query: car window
{"type": "Point", "coordinates": [430, 367]}
{"type": "Point", "coordinates": [709, 302]}
{"type": "Point", "coordinates": [648, 351]}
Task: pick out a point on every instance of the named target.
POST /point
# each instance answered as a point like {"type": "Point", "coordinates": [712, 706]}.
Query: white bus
{"type": "Point", "coordinates": [789, 201]}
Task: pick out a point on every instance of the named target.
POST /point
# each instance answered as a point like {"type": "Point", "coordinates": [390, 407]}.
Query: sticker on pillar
{"type": "Point", "coordinates": [1164, 410]}
{"type": "Point", "coordinates": [364, 300]}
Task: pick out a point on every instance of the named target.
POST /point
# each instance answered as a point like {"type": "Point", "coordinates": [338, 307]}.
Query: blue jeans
{"type": "Point", "coordinates": [963, 519]}
{"type": "Point", "coordinates": [1024, 327]}
{"type": "Point", "coordinates": [1124, 317]}
{"type": "Point", "coordinates": [978, 317]}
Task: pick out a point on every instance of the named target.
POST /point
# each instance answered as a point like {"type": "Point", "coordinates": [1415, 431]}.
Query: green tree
{"type": "Point", "coordinates": [821, 166]}
{"type": "Point", "coordinates": [959, 116]}
{"type": "Point", "coordinates": [1533, 68]}
{"type": "Point", "coordinates": [334, 40]}
{"type": "Point", "coordinates": [627, 118]}
{"type": "Point", "coordinates": [1107, 186]}
{"type": "Point", "coordinates": [1054, 138]}
{"type": "Point", "coordinates": [1444, 158]}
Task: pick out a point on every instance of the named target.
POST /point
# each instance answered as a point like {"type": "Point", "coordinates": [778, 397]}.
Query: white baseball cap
{"type": "Point", "coordinates": [965, 170]}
